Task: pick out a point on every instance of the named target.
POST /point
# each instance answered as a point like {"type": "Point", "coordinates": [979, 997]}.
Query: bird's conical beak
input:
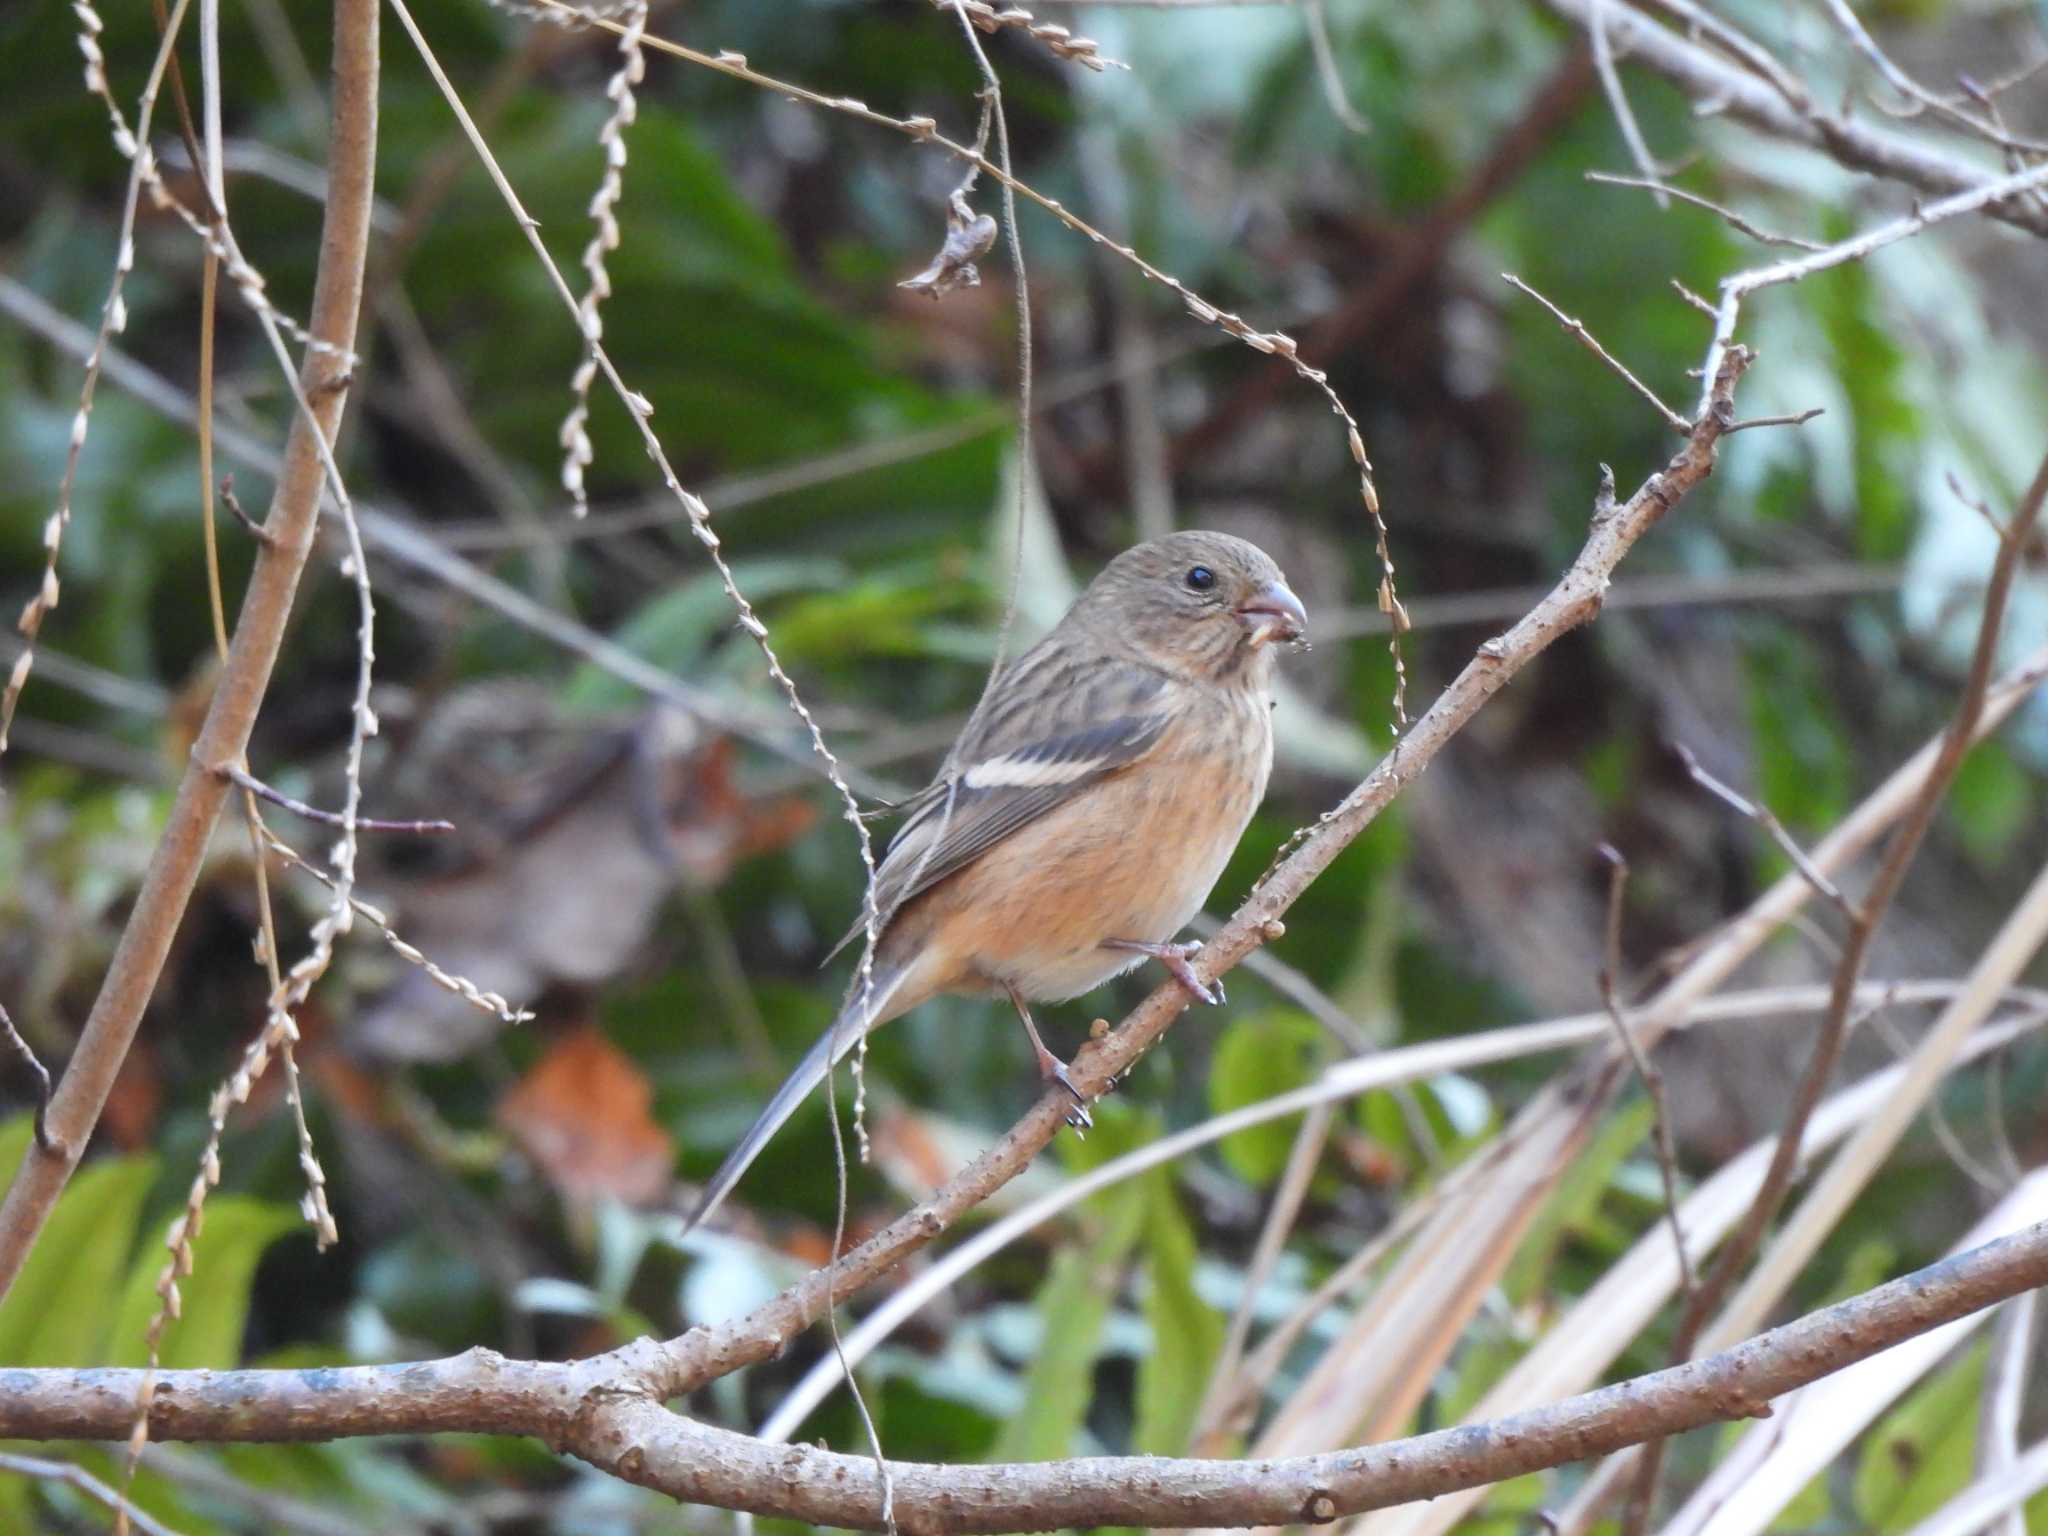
{"type": "Point", "coordinates": [1274, 613]}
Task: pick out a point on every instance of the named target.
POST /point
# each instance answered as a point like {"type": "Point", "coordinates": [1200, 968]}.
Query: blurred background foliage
{"type": "Point", "coordinates": [661, 893]}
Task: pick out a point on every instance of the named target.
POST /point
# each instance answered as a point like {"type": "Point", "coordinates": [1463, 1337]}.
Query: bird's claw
{"type": "Point", "coordinates": [1077, 1114]}
{"type": "Point", "coordinates": [1175, 958]}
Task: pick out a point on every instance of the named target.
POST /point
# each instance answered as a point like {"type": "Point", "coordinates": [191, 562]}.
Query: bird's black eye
{"type": "Point", "coordinates": [1201, 578]}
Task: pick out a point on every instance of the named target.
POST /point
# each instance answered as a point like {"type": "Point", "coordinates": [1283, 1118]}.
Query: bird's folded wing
{"type": "Point", "coordinates": [1053, 729]}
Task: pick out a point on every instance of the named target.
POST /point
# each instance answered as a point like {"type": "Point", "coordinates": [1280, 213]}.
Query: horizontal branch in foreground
{"type": "Point", "coordinates": [596, 1415]}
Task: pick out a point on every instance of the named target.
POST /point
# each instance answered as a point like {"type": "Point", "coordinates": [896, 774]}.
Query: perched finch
{"type": "Point", "coordinates": [1086, 810]}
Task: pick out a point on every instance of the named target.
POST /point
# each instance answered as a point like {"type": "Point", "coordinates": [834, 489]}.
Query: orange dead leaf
{"type": "Point", "coordinates": [582, 1115]}
{"type": "Point", "coordinates": [909, 1153]}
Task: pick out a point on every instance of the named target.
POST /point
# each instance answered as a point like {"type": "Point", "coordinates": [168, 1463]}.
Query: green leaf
{"type": "Point", "coordinates": [236, 1230]}
{"type": "Point", "coordinates": [1257, 1056]}
{"type": "Point", "coordinates": [674, 629]}
{"type": "Point", "coordinates": [1575, 1200]}
{"type": "Point", "coordinates": [1921, 1454]}
{"type": "Point", "coordinates": [52, 1314]}
{"type": "Point", "coordinates": [1187, 1333]}
{"type": "Point", "coordinates": [1073, 1305]}
{"type": "Point", "coordinates": [1803, 758]}
{"type": "Point", "coordinates": [1871, 366]}
{"type": "Point", "coordinates": [1991, 802]}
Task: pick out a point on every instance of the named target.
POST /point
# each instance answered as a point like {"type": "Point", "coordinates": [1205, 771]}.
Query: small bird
{"type": "Point", "coordinates": [1087, 809]}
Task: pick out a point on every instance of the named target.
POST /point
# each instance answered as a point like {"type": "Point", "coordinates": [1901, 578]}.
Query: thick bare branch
{"type": "Point", "coordinates": [607, 1415]}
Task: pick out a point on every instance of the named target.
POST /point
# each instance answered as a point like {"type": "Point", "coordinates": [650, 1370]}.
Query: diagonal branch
{"type": "Point", "coordinates": [174, 869]}
{"type": "Point", "coordinates": [704, 1354]}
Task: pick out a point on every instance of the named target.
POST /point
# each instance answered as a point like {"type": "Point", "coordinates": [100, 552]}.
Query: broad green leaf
{"type": "Point", "coordinates": [1575, 1200]}
{"type": "Point", "coordinates": [1186, 1331]}
{"type": "Point", "coordinates": [55, 1313]}
{"type": "Point", "coordinates": [1921, 1454]}
{"type": "Point", "coordinates": [1257, 1056]}
{"type": "Point", "coordinates": [1991, 803]}
{"type": "Point", "coordinates": [17, 1503]}
{"type": "Point", "coordinates": [215, 1295]}
{"type": "Point", "coordinates": [1073, 1304]}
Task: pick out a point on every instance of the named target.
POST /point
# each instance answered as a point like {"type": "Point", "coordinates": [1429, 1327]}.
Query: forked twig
{"type": "Point", "coordinates": [254, 529]}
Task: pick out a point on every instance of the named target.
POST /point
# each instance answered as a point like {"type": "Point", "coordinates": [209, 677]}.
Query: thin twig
{"type": "Point", "coordinates": [1990, 1180]}
{"type": "Point", "coordinates": [1652, 1079]}
{"type": "Point", "coordinates": [250, 526]}
{"type": "Point", "coordinates": [70, 1472]}
{"type": "Point", "coordinates": [256, 787]}
{"type": "Point", "coordinates": [1676, 422]}
{"type": "Point", "coordinates": [461, 986]}
{"type": "Point", "coordinates": [1764, 818]}
{"type": "Point", "coordinates": [1617, 102]}
{"type": "Point", "coordinates": [1736, 220]}
{"type": "Point", "coordinates": [28, 1058]}
{"type": "Point", "coordinates": [1757, 91]}
{"type": "Point", "coordinates": [1986, 196]}
{"type": "Point", "coordinates": [1317, 24]}
{"type": "Point", "coordinates": [1789, 419]}
{"type": "Point", "coordinates": [1697, 21]}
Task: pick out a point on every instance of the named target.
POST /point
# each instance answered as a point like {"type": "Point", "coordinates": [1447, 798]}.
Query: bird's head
{"type": "Point", "coordinates": [1206, 603]}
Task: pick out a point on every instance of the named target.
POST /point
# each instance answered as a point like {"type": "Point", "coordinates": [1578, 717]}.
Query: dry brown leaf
{"type": "Point", "coordinates": [582, 1115]}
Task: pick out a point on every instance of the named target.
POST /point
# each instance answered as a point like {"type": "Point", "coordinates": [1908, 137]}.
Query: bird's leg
{"type": "Point", "coordinates": [1175, 958]}
{"type": "Point", "coordinates": [1050, 1067]}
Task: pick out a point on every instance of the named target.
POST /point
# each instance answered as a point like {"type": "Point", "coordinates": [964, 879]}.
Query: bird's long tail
{"type": "Point", "coordinates": [867, 1008]}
